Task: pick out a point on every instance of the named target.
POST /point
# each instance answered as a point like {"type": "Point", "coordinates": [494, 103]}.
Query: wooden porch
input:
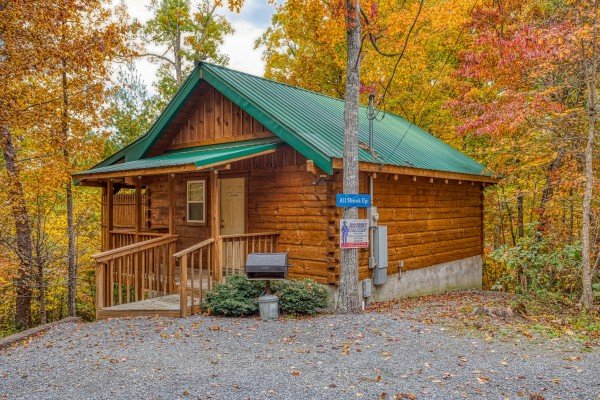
{"type": "Point", "coordinates": [147, 277]}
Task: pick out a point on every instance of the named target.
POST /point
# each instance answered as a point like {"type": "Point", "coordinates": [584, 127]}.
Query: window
{"type": "Point", "coordinates": [196, 201]}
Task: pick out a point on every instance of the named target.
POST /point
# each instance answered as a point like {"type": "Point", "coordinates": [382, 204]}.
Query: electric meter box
{"type": "Point", "coordinates": [380, 252]}
{"type": "Point", "coordinates": [372, 216]}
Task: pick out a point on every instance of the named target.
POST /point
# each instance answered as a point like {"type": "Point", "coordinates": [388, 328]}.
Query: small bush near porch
{"type": "Point", "coordinates": [238, 296]}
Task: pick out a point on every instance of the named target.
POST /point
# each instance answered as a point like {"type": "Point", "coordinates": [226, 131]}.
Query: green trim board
{"type": "Point", "coordinates": [197, 156]}
{"type": "Point", "coordinates": [311, 123]}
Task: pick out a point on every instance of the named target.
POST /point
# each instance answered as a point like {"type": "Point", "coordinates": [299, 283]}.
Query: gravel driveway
{"type": "Point", "coordinates": [370, 356]}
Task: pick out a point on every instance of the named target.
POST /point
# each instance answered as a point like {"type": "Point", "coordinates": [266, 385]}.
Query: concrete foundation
{"type": "Point", "coordinates": [440, 278]}
{"type": "Point", "coordinates": [445, 277]}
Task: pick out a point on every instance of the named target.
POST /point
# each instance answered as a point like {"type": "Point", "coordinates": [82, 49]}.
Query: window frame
{"type": "Point", "coordinates": [188, 202]}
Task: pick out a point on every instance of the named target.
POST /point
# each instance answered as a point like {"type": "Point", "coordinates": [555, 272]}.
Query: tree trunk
{"type": "Point", "coordinates": [349, 296]}
{"type": "Point", "coordinates": [177, 56]}
{"type": "Point", "coordinates": [509, 213]}
{"type": "Point", "coordinates": [501, 217]}
{"type": "Point", "coordinates": [547, 193]}
{"type": "Point", "coordinates": [571, 216]}
{"type": "Point", "coordinates": [587, 296]}
{"type": "Point", "coordinates": [41, 291]}
{"type": "Point", "coordinates": [22, 231]}
{"type": "Point", "coordinates": [72, 266]}
{"type": "Point", "coordinates": [520, 223]}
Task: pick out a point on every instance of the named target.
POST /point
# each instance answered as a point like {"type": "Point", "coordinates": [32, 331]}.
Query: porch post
{"type": "Point", "coordinates": [138, 227]}
{"type": "Point", "coordinates": [171, 204]}
{"type": "Point", "coordinates": [172, 232]}
{"type": "Point", "coordinates": [215, 224]}
{"type": "Point", "coordinates": [109, 211]}
{"type": "Point", "coordinates": [104, 218]}
{"type": "Point", "coordinates": [138, 208]}
{"type": "Point", "coordinates": [100, 288]}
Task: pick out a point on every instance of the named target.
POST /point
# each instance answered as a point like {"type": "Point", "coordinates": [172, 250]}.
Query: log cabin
{"type": "Point", "coordinates": [237, 164]}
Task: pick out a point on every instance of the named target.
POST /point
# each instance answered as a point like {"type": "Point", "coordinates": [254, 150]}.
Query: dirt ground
{"type": "Point", "coordinates": [498, 314]}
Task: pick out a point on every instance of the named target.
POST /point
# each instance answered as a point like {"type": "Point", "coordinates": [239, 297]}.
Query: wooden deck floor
{"type": "Point", "coordinates": [167, 306]}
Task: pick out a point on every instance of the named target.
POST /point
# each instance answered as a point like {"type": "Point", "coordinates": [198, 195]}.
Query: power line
{"type": "Point", "coordinates": [446, 61]}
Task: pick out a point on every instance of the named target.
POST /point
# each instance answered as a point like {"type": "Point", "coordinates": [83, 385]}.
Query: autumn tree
{"type": "Point", "coordinates": [56, 66]}
{"type": "Point", "coordinates": [528, 87]}
{"type": "Point", "coordinates": [132, 109]}
{"type": "Point", "coordinates": [87, 38]}
{"type": "Point", "coordinates": [590, 64]}
{"type": "Point", "coordinates": [305, 46]}
{"type": "Point", "coordinates": [19, 46]}
{"type": "Point", "coordinates": [311, 44]}
{"type": "Point", "coordinates": [184, 32]}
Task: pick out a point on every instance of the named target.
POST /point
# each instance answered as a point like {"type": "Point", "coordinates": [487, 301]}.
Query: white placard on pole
{"type": "Point", "coordinates": [354, 233]}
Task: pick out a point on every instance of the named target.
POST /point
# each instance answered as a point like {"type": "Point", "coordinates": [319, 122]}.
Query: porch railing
{"type": "Point", "coordinates": [237, 247]}
{"type": "Point", "coordinates": [196, 274]}
{"type": "Point", "coordinates": [126, 237]}
{"type": "Point", "coordinates": [135, 272]}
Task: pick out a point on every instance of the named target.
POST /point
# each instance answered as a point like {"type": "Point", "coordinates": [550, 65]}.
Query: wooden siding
{"type": "Point", "coordinates": [123, 213]}
{"type": "Point", "coordinates": [428, 222]}
{"type": "Point", "coordinates": [215, 119]}
{"type": "Point", "coordinates": [284, 197]}
{"type": "Point", "coordinates": [189, 233]}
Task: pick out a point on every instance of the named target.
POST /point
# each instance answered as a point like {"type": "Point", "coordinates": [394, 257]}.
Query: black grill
{"type": "Point", "coordinates": [266, 266]}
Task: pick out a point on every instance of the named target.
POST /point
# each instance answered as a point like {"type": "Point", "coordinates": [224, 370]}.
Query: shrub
{"type": "Point", "coordinates": [303, 297]}
{"type": "Point", "coordinates": [238, 296]}
{"type": "Point", "coordinates": [546, 268]}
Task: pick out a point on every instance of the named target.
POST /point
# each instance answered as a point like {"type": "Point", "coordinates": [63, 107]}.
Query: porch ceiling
{"type": "Point", "coordinates": [178, 160]}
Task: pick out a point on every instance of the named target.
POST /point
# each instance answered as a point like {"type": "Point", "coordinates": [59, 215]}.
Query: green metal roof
{"type": "Point", "coordinates": [317, 121]}
{"type": "Point", "coordinates": [311, 123]}
{"type": "Point", "coordinates": [198, 156]}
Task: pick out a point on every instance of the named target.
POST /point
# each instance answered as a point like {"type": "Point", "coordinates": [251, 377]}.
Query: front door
{"type": "Point", "coordinates": [233, 221]}
{"type": "Point", "coordinates": [233, 206]}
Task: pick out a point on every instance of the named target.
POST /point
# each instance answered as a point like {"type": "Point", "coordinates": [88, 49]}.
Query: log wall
{"type": "Point", "coordinates": [428, 222]}
{"type": "Point", "coordinates": [284, 197]}
{"type": "Point", "coordinates": [189, 233]}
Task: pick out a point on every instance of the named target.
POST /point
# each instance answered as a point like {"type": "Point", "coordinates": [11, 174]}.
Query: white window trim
{"type": "Point", "coordinates": [188, 202]}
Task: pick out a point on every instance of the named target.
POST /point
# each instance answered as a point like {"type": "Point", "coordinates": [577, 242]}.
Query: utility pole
{"type": "Point", "coordinates": [348, 297]}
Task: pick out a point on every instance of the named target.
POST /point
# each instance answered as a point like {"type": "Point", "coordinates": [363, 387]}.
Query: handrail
{"type": "Point", "coordinates": [194, 247]}
{"type": "Point", "coordinates": [198, 261]}
{"type": "Point", "coordinates": [243, 235]}
{"type": "Point", "coordinates": [135, 272]}
{"type": "Point", "coordinates": [146, 244]}
{"type": "Point", "coordinates": [129, 231]}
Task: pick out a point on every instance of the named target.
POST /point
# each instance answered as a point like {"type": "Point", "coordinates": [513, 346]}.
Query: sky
{"type": "Point", "coordinates": [249, 24]}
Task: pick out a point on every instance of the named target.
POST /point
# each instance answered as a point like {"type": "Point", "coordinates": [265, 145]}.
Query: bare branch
{"type": "Point", "coordinates": [161, 57]}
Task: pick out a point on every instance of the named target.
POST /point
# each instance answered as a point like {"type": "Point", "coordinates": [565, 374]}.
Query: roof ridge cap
{"type": "Point", "coordinates": [273, 80]}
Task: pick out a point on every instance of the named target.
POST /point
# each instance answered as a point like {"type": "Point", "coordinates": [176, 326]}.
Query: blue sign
{"type": "Point", "coordinates": [345, 200]}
